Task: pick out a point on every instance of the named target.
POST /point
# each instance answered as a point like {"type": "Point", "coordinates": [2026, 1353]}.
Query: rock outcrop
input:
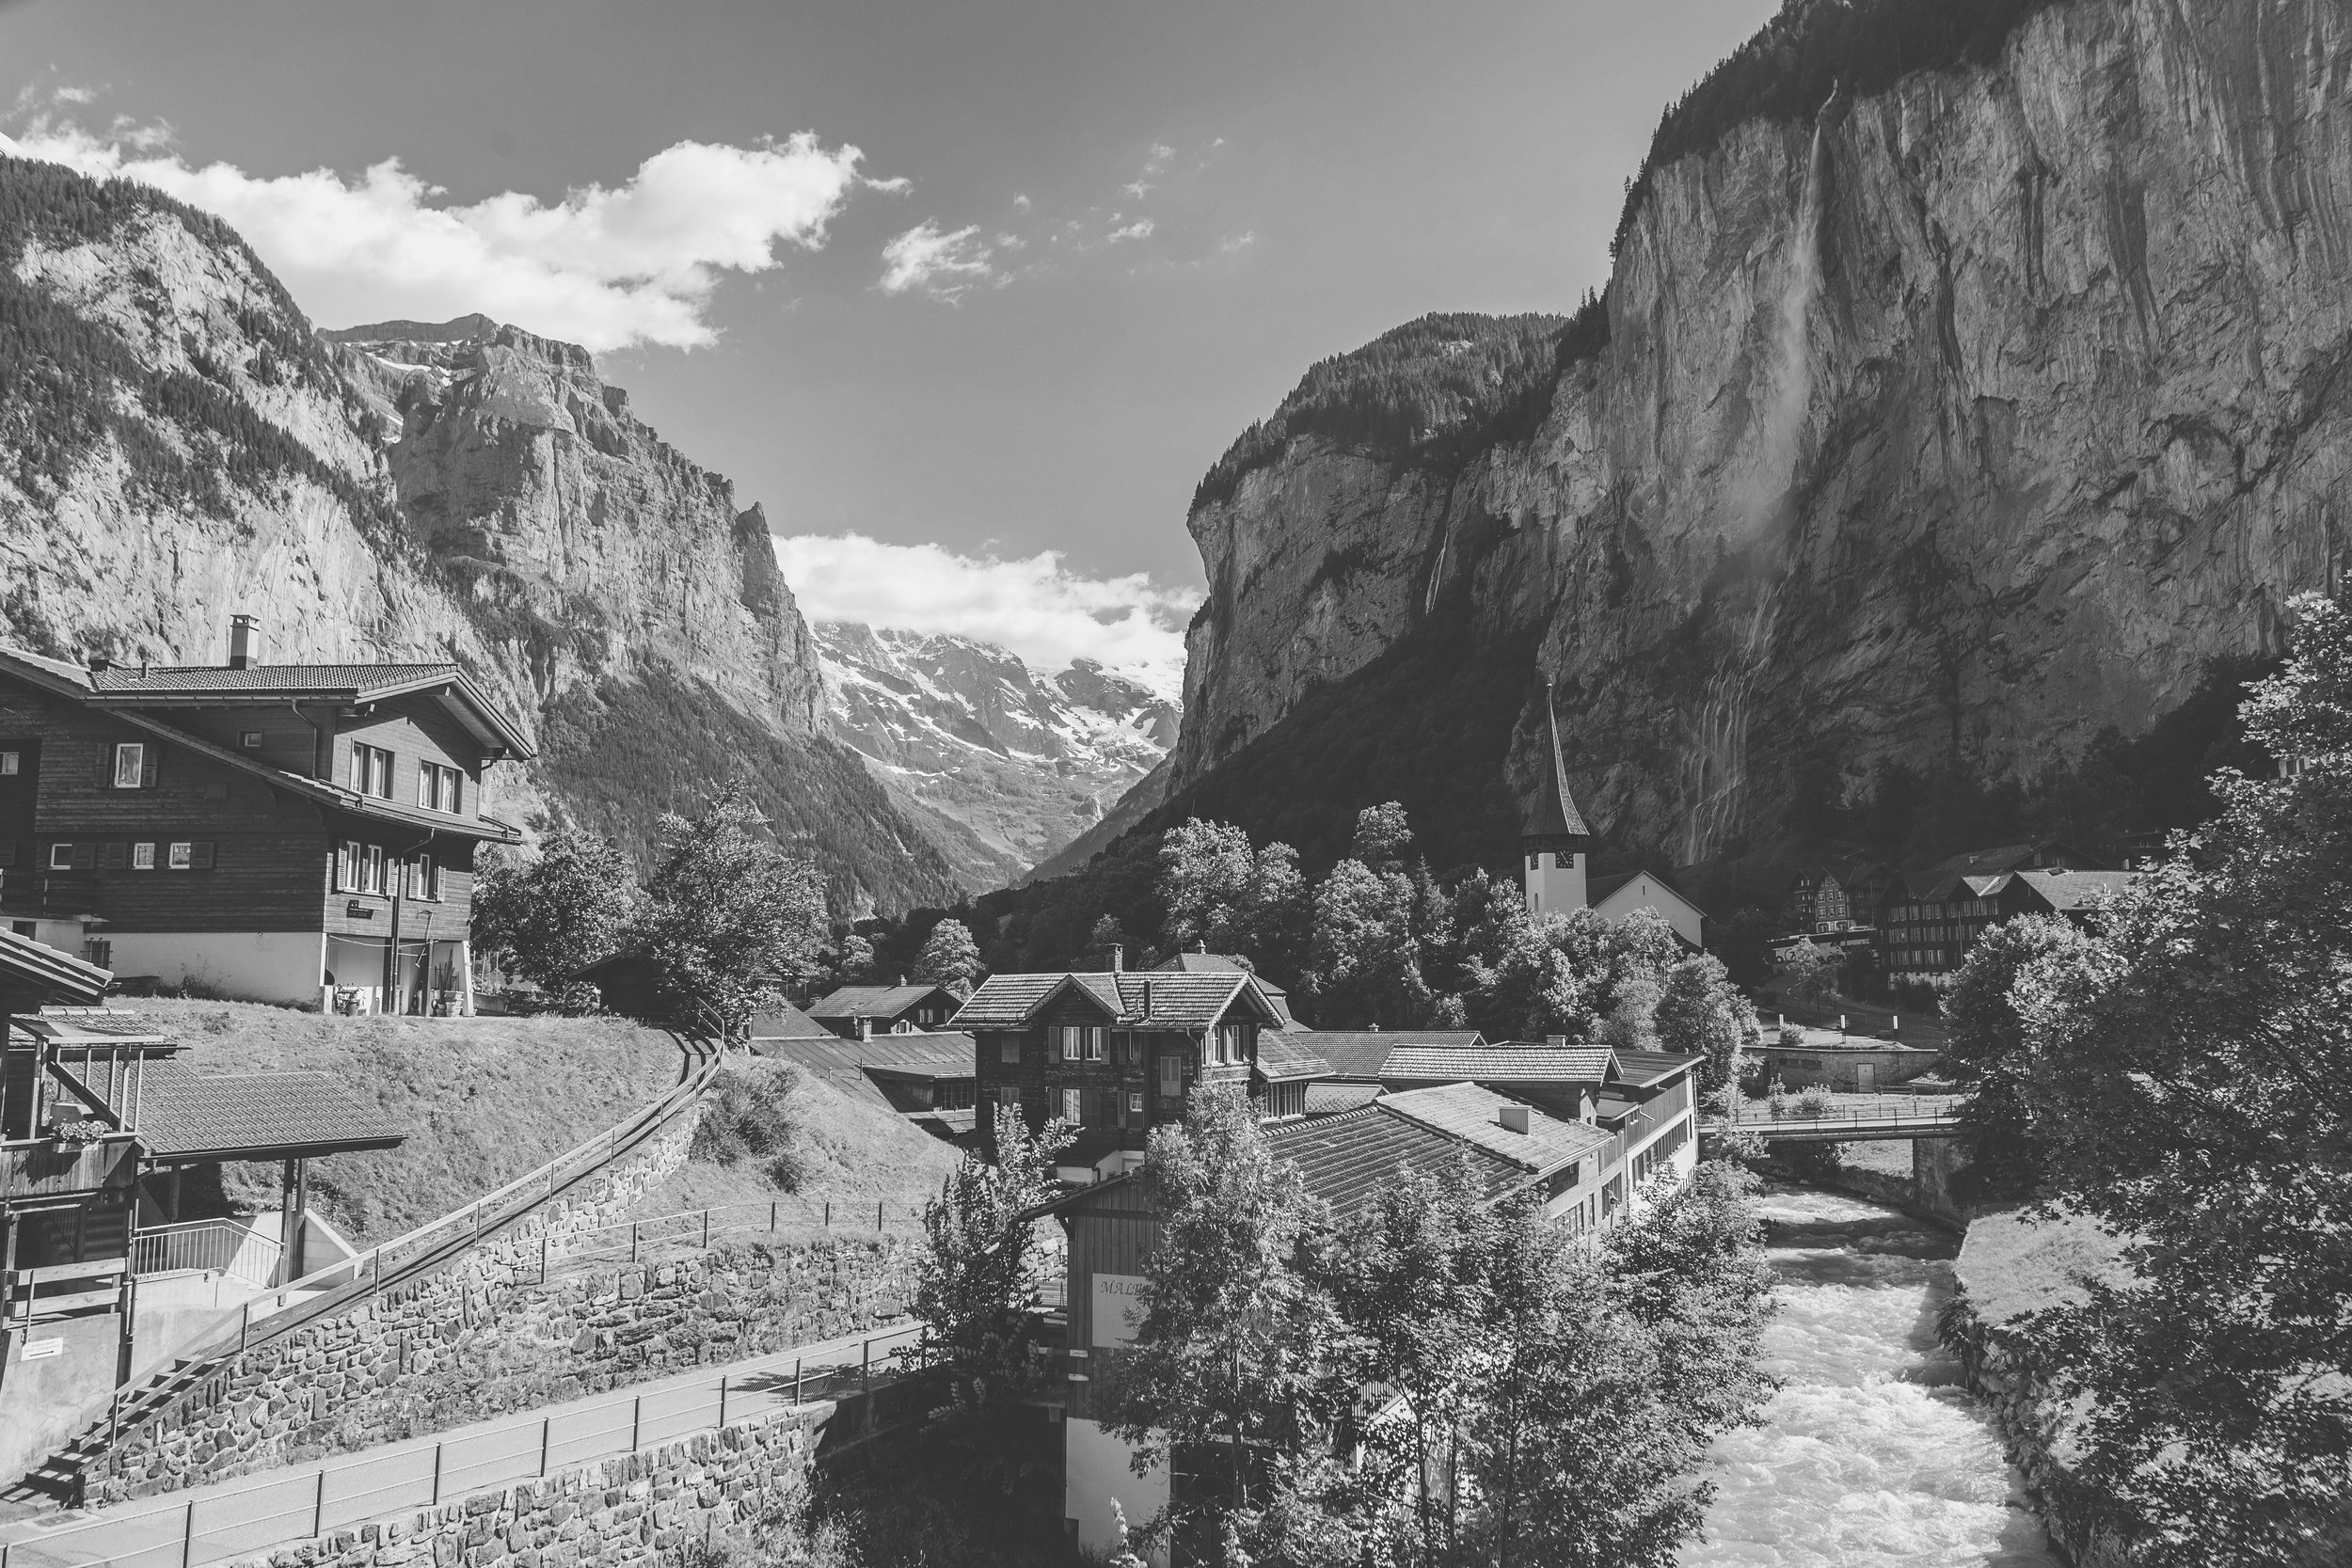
{"type": "Point", "coordinates": [1002, 764]}
{"type": "Point", "coordinates": [180, 446]}
{"type": "Point", "coordinates": [1972, 416]}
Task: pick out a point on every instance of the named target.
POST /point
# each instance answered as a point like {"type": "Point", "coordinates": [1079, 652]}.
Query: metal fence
{"type": "Point", "coordinates": [230, 1247]}
{"type": "Point", "coordinates": [280, 1509]}
{"type": "Point", "coordinates": [626, 1240]}
{"type": "Point", "coordinates": [1875, 1109]}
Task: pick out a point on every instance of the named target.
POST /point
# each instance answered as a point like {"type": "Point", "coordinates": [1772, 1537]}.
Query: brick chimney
{"type": "Point", "coordinates": [244, 641]}
{"type": "Point", "coordinates": [1118, 958]}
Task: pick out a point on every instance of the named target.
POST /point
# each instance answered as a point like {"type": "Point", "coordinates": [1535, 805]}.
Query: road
{"type": "Point", "coordinates": [253, 1513]}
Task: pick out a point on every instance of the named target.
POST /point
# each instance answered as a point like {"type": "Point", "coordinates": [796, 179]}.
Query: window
{"type": "Point", "coordinates": [1079, 1042]}
{"type": "Point", "coordinates": [424, 878]}
{"type": "Point", "coordinates": [371, 868]}
{"type": "Point", "coordinates": [130, 765]}
{"type": "Point", "coordinates": [1073, 1107]}
{"type": "Point", "coordinates": [1232, 1044]}
{"type": "Point", "coordinates": [438, 787]}
{"type": "Point", "coordinates": [61, 857]}
{"type": "Point", "coordinates": [250, 740]}
{"type": "Point", "coordinates": [11, 764]}
{"type": "Point", "coordinates": [1008, 1097]}
{"type": "Point", "coordinates": [371, 770]}
{"type": "Point", "coordinates": [182, 857]}
{"type": "Point", "coordinates": [1135, 1104]}
{"type": "Point", "coordinates": [1008, 1050]}
{"type": "Point", "coordinates": [142, 856]}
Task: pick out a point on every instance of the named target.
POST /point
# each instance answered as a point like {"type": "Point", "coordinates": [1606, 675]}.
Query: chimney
{"type": "Point", "coordinates": [1119, 958]}
{"type": "Point", "coordinates": [866, 1028]}
{"type": "Point", "coordinates": [100, 664]}
{"type": "Point", "coordinates": [1515, 1119]}
{"type": "Point", "coordinates": [1147, 993]}
{"type": "Point", "coordinates": [1558, 1042]}
{"type": "Point", "coordinates": [244, 641]}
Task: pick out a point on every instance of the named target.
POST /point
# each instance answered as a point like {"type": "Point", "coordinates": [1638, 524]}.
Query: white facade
{"type": "Point", "coordinates": [1645, 891]}
{"type": "Point", "coordinates": [1556, 883]}
{"type": "Point", "coordinates": [259, 966]}
{"type": "Point", "coordinates": [1096, 1476]}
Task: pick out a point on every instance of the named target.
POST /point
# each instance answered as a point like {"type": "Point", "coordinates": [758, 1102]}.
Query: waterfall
{"type": "Point", "coordinates": [1715, 750]}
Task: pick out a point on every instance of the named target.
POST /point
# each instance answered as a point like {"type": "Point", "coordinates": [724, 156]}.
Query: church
{"type": "Point", "coordinates": [1557, 846]}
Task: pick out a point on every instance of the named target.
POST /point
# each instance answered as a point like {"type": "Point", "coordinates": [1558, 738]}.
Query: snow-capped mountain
{"type": "Point", "coordinates": [1005, 765]}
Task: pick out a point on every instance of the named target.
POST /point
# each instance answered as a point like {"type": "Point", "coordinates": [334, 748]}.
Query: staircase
{"type": "Point", "coordinates": [204, 1372]}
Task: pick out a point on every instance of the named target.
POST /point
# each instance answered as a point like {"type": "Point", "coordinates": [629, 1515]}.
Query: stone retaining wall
{"type": "Point", "coordinates": [310, 1392]}
{"type": "Point", "coordinates": [660, 1501]}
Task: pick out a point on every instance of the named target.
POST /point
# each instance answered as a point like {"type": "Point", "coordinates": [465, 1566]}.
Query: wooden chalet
{"type": "Point", "coordinates": [855, 1010]}
{"type": "Point", "coordinates": [285, 832]}
{"type": "Point", "coordinates": [1113, 1053]}
{"type": "Point", "coordinates": [1928, 919]}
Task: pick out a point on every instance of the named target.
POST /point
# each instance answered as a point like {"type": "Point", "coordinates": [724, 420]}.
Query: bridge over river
{"type": "Point", "coordinates": [1851, 1118]}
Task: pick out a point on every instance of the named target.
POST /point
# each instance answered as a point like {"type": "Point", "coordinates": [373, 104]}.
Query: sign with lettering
{"type": "Point", "coordinates": [1117, 1309]}
{"type": "Point", "coordinates": [41, 1349]}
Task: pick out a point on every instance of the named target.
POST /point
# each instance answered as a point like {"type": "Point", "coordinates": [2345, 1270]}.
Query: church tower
{"type": "Point", "coordinates": [1554, 840]}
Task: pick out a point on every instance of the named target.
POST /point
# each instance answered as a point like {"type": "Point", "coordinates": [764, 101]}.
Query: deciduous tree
{"type": "Point", "coordinates": [574, 904]}
{"type": "Point", "coordinates": [950, 957]}
{"type": "Point", "coordinates": [730, 911]}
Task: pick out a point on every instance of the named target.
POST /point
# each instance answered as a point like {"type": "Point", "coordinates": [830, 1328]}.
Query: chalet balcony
{"type": "Point", "coordinates": [41, 1169]}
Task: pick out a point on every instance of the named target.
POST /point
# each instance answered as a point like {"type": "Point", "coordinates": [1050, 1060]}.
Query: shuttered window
{"type": "Point", "coordinates": [114, 856]}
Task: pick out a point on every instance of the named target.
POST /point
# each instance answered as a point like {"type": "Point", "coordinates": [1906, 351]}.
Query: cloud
{"type": "Point", "coordinates": [945, 265]}
{"type": "Point", "coordinates": [604, 267]}
{"type": "Point", "coordinates": [1036, 607]}
{"type": "Point", "coordinates": [1139, 230]}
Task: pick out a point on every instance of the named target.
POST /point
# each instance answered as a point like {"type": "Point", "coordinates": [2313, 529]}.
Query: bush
{"type": "Point", "coordinates": [749, 1116]}
{"type": "Point", "coordinates": [1815, 1102]}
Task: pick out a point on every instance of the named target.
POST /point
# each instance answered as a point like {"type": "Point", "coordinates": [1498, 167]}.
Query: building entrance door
{"type": "Point", "coordinates": [1866, 1077]}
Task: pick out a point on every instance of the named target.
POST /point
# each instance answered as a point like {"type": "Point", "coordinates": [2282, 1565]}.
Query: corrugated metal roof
{"type": "Point", "coordinates": [1510, 1064]}
{"type": "Point", "coordinates": [253, 1116]}
{"type": "Point", "coordinates": [1469, 1112]}
{"type": "Point", "coordinates": [921, 1054]}
{"type": "Point", "coordinates": [1645, 1069]}
{"type": "Point", "coordinates": [784, 1021]}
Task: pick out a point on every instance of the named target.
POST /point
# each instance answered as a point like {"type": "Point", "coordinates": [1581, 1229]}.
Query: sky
{"type": "Point", "coordinates": [968, 295]}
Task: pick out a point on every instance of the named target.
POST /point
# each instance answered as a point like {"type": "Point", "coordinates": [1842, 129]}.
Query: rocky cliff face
{"type": "Point", "coordinates": [1972, 416]}
{"type": "Point", "coordinates": [180, 445]}
{"type": "Point", "coordinates": [1002, 765]}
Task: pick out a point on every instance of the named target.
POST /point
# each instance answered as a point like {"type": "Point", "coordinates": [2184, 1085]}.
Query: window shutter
{"type": "Point", "coordinates": [152, 759]}
{"type": "Point", "coordinates": [114, 856]}
{"type": "Point", "coordinates": [1053, 1043]}
{"type": "Point", "coordinates": [85, 857]}
{"type": "Point", "coordinates": [201, 855]}
{"type": "Point", "coordinates": [7, 851]}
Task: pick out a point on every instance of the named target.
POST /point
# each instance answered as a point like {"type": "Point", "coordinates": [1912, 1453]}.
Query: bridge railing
{"type": "Point", "coordinates": [1878, 1109]}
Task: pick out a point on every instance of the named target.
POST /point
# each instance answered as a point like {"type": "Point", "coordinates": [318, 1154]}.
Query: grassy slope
{"type": "Point", "coordinates": [858, 1152]}
{"type": "Point", "coordinates": [483, 1099]}
{"type": "Point", "coordinates": [2011, 1263]}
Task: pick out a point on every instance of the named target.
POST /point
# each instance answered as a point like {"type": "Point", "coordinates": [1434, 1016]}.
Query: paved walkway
{"type": "Point", "coordinates": [252, 1513]}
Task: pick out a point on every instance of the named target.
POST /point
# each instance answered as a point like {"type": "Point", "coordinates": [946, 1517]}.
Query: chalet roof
{"type": "Point", "coordinates": [71, 682]}
{"type": "Point", "coordinates": [36, 973]}
{"type": "Point", "coordinates": [1503, 1063]}
{"type": "Point", "coordinates": [922, 1055]}
{"type": "Point", "coordinates": [1285, 1057]}
{"type": "Point", "coordinates": [783, 1021]}
{"type": "Point", "coordinates": [1474, 1114]}
{"type": "Point", "coordinates": [1985, 867]}
{"type": "Point", "coordinates": [1227, 963]}
{"type": "Point", "coordinates": [1139, 997]}
{"type": "Point", "coordinates": [1348, 1159]}
{"type": "Point", "coordinates": [1327, 1099]}
{"type": "Point", "coordinates": [1553, 816]}
{"type": "Point", "coordinates": [1643, 1070]}
{"type": "Point", "coordinates": [186, 1115]}
{"type": "Point", "coordinates": [2067, 891]}
{"type": "Point", "coordinates": [213, 686]}
{"type": "Point", "coordinates": [1360, 1052]}
{"type": "Point", "coordinates": [876, 1001]}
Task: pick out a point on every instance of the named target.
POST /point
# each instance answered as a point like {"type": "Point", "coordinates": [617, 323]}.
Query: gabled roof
{"type": "Point", "coordinates": [1348, 1159]}
{"type": "Point", "coordinates": [1325, 1100]}
{"type": "Point", "coordinates": [1474, 1114]}
{"type": "Point", "coordinates": [216, 685]}
{"type": "Point", "coordinates": [1643, 1070]}
{"type": "Point", "coordinates": [783, 1021]}
{"type": "Point", "coordinates": [1599, 888]}
{"type": "Point", "coordinates": [1941, 880]}
{"type": "Point", "coordinates": [37, 972]}
{"type": "Point", "coordinates": [878, 1001]}
{"type": "Point", "coordinates": [67, 681]}
{"type": "Point", "coordinates": [2067, 891]}
{"type": "Point", "coordinates": [1285, 1057]}
{"type": "Point", "coordinates": [1553, 816]}
{"type": "Point", "coordinates": [186, 1115]}
{"type": "Point", "coordinates": [1359, 1053]}
{"type": "Point", "coordinates": [1140, 998]}
{"type": "Point", "coordinates": [1501, 1063]}
{"type": "Point", "coordinates": [923, 1056]}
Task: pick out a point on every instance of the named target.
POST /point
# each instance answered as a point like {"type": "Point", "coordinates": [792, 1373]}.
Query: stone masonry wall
{"type": "Point", "coordinates": [620, 1511]}
{"type": "Point", "coordinates": [281, 1400]}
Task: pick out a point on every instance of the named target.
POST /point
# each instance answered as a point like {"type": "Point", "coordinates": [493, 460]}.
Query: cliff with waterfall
{"type": "Point", "coordinates": [1951, 421]}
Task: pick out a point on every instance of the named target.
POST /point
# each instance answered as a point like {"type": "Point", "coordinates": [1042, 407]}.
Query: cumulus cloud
{"type": "Point", "coordinates": [1036, 607]}
{"type": "Point", "coordinates": [1139, 230]}
{"type": "Point", "coordinates": [944, 264]}
{"type": "Point", "coordinates": [606, 267]}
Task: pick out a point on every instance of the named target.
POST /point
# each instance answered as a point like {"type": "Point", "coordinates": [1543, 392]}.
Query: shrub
{"type": "Point", "coordinates": [749, 1116]}
{"type": "Point", "coordinates": [1815, 1102]}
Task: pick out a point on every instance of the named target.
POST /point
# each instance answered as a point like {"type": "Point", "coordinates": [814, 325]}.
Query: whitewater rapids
{"type": "Point", "coordinates": [1871, 1452]}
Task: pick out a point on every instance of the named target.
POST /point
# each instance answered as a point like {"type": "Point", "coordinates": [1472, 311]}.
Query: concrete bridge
{"type": "Point", "coordinates": [1884, 1117]}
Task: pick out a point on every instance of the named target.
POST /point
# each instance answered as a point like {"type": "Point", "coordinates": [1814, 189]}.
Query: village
{"type": "Point", "coordinates": [305, 836]}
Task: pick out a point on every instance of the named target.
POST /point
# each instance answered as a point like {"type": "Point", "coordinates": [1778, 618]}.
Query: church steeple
{"type": "Point", "coordinates": [1554, 838]}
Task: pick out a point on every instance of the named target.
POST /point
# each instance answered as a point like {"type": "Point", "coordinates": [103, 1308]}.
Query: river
{"type": "Point", "coordinates": [1870, 1453]}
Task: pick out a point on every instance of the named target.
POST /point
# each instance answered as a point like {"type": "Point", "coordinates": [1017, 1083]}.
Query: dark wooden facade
{"type": "Point", "coordinates": [1141, 1078]}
